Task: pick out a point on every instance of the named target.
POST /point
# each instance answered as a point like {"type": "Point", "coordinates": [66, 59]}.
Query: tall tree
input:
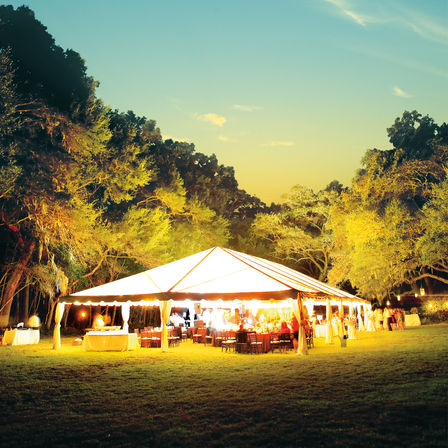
{"type": "Point", "coordinates": [432, 246]}
{"type": "Point", "coordinates": [379, 220]}
{"type": "Point", "coordinates": [298, 233]}
{"type": "Point", "coordinates": [43, 69]}
{"type": "Point", "coordinates": [71, 168]}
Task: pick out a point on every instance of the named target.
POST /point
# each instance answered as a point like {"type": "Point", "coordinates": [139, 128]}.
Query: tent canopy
{"type": "Point", "coordinates": [216, 273]}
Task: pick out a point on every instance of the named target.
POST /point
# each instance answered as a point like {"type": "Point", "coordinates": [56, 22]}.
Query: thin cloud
{"type": "Point", "coordinates": [401, 93]}
{"type": "Point", "coordinates": [344, 8]}
{"type": "Point", "coordinates": [278, 143]}
{"type": "Point", "coordinates": [356, 17]}
{"type": "Point", "coordinates": [395, 59]}
{"type": "Point", "coordinates": [213, 118]}
{"type": "Point", "coordinates": [245, 108]}
{"type": "Point", "coordinates": [394, 14]}
{"type": "Point", "coordinates": [425, 27]}
{"type": "Point", "coordinates": [222, 138]}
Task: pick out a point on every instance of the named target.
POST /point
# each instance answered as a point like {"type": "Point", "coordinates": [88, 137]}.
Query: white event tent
{"type": "Point", "coordinates": [217, 274]}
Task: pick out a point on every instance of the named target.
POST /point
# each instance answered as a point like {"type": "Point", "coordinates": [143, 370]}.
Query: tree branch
{"type": "Point", "coordinates": [427, 275]}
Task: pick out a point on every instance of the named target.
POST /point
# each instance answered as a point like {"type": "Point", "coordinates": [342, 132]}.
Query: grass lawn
{"type": "Point", "coordinates": [387, 389]}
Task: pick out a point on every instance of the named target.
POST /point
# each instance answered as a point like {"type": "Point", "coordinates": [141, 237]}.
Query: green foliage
{"type": "Point", "coordinates": [380, 223]}
{"type": "Point", "coordinates": [44, 71]}
{"type": "Point", "coordinates": [372, 250]}
{"type": "Point", "coordinates": [298, 233]}
{"type": "Point", "coordinates": [205, 178]}
{"type": "Point", "coordinates": [434, 310]}
{"type": "Point", "coordinates": [432, 244]}
{"type": "Point", "coordinates": [96, 192]}
{"type": "Point", "coordinates": [413, 135]}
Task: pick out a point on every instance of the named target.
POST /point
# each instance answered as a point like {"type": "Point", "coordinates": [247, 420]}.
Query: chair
{"type": "Point", "coordinates": [173, 336]}
{"type": "Point", "coordinates": [254, 345]}
{"type": "Point", "coordinates": [219, 337]}
{"type": "Point", "coordinates": [156, 339]}
{"type": "Point", "coordinates": [285, 341]}
{"type": "Point", "coordinates": [274, 342]}
{"type": "Point", "coordinates": [199, 335]}
{"type": "Point", "coordinates": [242, 342]}
{"type": "Point", "coordinates": [145, 339]}
{"type": "Point", "coordinates": [209, 338]}
{"type": "Point", "coordinates": [229, 342]}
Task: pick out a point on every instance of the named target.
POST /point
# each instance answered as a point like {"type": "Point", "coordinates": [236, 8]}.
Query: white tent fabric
{"type": "Point", "coordinates": [125, 313]}
{"type": "Point", "coordinates": [214, 274]}
{"type": "Point", "coordinates": [214, 271]}
{"type": "Point", "coordinates": [329, 326]}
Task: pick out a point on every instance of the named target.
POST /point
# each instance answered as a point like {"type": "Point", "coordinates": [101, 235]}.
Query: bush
{"type": "Point", "coordinates": [434, 310]}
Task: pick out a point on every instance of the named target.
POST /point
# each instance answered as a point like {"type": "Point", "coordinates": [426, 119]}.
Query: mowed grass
{"type": "Point", "coordinates": [383, 390]}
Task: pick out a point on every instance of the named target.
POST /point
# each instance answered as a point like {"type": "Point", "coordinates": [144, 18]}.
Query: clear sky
{"type": "Point", "coordinates": [287, 91]}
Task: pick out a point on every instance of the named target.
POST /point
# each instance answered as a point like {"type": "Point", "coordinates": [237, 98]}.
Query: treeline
{"type": "Point", "coordinates": [89, 194]}
{"type": "Point", "coordinates": [387, 232]}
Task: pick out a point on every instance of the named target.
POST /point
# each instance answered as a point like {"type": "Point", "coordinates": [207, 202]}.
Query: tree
{"type": "Point", "coordinates": [378, 222]}
{"type": "Point", "coordinates": [44, 71]}
{"type": "Point", "coordinates": [413, 135]}
{"type": "Point", "coordinates": [373, 251]}
{"type": "Point", "coordinates": [432, 246]}
{"type": "Point", "coordinates": [203, 177]}
{"type": "Point", "coordinates": [70, 169]}
{"type": "Point", "coordinates": [298, 234]}
{"type": "Point", "coordinates": [48, 161]}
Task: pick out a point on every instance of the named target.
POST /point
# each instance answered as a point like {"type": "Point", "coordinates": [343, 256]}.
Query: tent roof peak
{"type": "Point", "coordinates": [213, 272]}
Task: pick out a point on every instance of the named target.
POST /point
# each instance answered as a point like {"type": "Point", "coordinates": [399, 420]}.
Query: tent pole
{"type": "Point", "coordinates": [302, 348]}
{"type": "Point", "coordinates": [57, 327]}
{"type": "Point", "coordinates": [341, 328]}
{"type": "Point", "coordinates": [360, 321]}
{"type": "Point", "coordinates": [365, 316]}
{"type": "Point", "coordinates": [165, 311]}
{"type": "Point", "coordinates": [329, 332]}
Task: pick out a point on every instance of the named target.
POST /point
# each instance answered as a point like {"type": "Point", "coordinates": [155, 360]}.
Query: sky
{"type": "Point", "coordinates": [287, 92]}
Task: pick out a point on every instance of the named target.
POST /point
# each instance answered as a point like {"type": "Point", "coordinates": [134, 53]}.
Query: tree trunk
{"type": "Point", "coordinates": [17, 315]}
{"type": "Point", "coordinates": [26, 304]}
{"type": "Point", "coordinates": [13, 282]}
{"type": "Point", "coordinates": [49, 317]}
{"type": "Point", "coordinates": [67, 310]}
{"type": "Point", "coordinates": [428, 285]}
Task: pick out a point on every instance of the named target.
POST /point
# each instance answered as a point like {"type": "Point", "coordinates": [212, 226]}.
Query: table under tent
{"type": "Point", "coordinates": [217, 277]}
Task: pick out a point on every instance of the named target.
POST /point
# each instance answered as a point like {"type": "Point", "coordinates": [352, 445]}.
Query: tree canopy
{"type": "Point", "coordinates": [298, 233]}
{"type": "Point", "coordinates": [89, 193]}
{"type": "Point", "coordinates": [381, 222]}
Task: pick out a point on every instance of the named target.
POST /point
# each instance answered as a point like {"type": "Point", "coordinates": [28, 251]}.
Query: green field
{"type": "Point", "coordinates": [383, 390]}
